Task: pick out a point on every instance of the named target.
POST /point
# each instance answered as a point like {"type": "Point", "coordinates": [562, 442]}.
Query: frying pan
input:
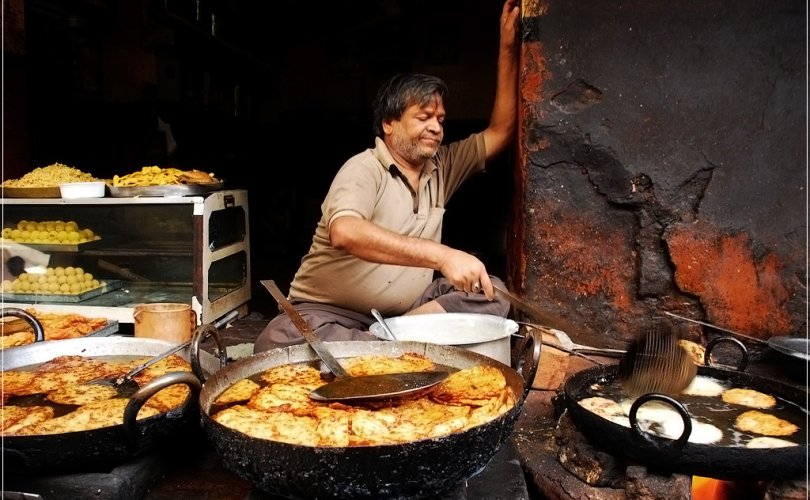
{"type": "Point", "coordinates": [409, 470]}
{"type": "Point", "coordinates": [100, 448]}
{"type": "Point", "coordinates": [680, 455]}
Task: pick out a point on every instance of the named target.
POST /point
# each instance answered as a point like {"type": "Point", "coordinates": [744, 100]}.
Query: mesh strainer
{"type": "Point", "coordinates": [655, 363]}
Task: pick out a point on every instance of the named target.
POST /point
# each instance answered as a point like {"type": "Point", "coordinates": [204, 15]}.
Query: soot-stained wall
{"type": "Point", "coordinates": [662, 164]}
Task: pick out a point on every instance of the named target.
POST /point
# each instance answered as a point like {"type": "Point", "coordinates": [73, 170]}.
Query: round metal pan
{"type": "Point", "coordinates": [680, 455]}
{"type": "Point", "coordinates": [409, 470]}
{"type": "Point", "coordinates": [99, 448]}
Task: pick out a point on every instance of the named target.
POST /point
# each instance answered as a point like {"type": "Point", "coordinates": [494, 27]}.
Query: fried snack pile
{"type": "Point", "coordinates": [50, 176]}
{"type": "Point", "coordinates": [53, 232]}
{"type": "Point", "coordinates": [55, 326]}
{"type": "Point", "coordinates": [62, 380]}
{"type": "Point", "coordinates": [54, 281]}
{"type": "Point", "coordinates": [156, 176]}
{"type": "Point", "coordinates": [278, 407]}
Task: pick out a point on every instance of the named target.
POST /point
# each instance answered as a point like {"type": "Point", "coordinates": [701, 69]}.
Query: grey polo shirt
{"type": "Point", "coordinates": [369, 186]}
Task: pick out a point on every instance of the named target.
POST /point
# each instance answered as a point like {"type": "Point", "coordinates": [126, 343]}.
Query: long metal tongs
{"type": "Point", "coordinates": [126, 378]}
{"type": "Point", "coordinates": [720, 328]}
{"type": "Point", "coordinates": [555, 326]}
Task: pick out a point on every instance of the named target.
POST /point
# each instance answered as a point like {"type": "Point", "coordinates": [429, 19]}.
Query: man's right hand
{"type": "Point", "coordinates": [466, 272]}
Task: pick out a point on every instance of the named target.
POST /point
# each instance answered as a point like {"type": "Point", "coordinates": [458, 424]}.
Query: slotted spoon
{"type": "Point", "coordinates": [655, 363]}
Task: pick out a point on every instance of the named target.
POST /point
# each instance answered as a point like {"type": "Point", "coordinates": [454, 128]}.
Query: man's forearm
{"type": "Point", "coordinates": [370, 242]}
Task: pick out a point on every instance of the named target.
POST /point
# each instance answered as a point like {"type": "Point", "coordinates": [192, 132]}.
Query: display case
{"type": "Point", "coordinates": [188, 249]}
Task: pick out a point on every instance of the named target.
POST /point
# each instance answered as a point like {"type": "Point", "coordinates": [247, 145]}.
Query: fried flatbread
{"type": "Point", "coordinates": [749, 397]}
{"type": "Point", "coordinates": [173, 363]}
{"type": "Point", "coordinates": [283, 410]}
{"type": "Point", "coordinates": [64, 370]}
{"type": "Point", "coordinates": [758, 422]}
{"type": "Point", "coordinates": [169, 398]}
{"type": "Point", "coordinates": [19, 383]}
{"type": "Point", "coordinates": [240, 391]}
{"type": "Point", "coordinates": [277, 426]}
{"type": "Point", "coordinates": [18, 417]}
{"type": "Point", "coordinates": [381, 365]}
{"type": "Point", "coordinates": [296, 374]}
{"type": "Point", "coordinates": [81, 394]}
{"type": "Point", "coordinates": [282, 397]}
{"type": "Point", "coordinates": [92, 416]}
{"type": "Point", "coordinates": [474, 386]}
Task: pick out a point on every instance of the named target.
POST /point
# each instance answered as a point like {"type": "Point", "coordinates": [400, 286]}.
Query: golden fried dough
{"type": "Point", "coordinates": [173, 363]}
{"type": "Point", "coordinates": [282, 397]}
{"type": "Point", "coordinates": [759, 422]}
{"type": "Point", "coordinates": [240, 391]}
{"type": "Point", "coordinates": [749, 397]}
{"type": "Point", "coordinates": [278, 426]}
{"type": "Point", "coordinates": [92, 416]}
{"type": "Point", "coordinates": [283, 410]}
{"type": "Point", "coordinates": [472, 386]}
{"type": "Point", "coordinates": [19, 417]}
{"type": "Point", "coordinates": [696, 351]}
{"type": "Point", "coordinates": [299, 374]}
{"type": "Point", "coordinates": [81, 394]}
{"type": "Point", "coordinates": [19, 383]}
{"type": "Point", "coordinates": [381, 365]}
{"type": "Point", "coordinates": [169, 398]}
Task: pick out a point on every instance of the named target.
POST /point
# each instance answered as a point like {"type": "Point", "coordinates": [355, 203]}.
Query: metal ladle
{"type": "Point", "coordinates": [355, 389]}
{"type": "Point", "coordinates": [385, 326]}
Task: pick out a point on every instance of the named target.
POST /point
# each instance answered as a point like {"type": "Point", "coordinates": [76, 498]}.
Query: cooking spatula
{"type": "Point", "coordinates": [655, 363]}
{"type": "Point", "coordinates": [351, 389]}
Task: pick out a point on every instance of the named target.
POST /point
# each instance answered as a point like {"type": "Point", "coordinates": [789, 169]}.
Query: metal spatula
{"type": "Point", "coordinates": [655, 363]}
{"type": "Point", "coordinates": [359, 389]}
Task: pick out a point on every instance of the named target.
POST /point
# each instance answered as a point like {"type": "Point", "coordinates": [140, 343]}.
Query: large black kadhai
{"type": "Point", "coordinates": [102, 448]}
{"type": "Point", "coordinates": [410, 470]}
{"type": "Point", "coordinates": [679, 455]}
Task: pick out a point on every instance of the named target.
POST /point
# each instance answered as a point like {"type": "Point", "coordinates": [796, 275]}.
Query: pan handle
{"type": "Point", "coordinates": [201, 333]}
{"type": "Point", "coordinates": [681, 409]}
{"type": "Point", "coordinates": [528, 353]}
{"type": "Point", "coordinates": [728, 340]}
{"type": "Point", "coordinates": [39, 333]}
{"type": "Point", "coordinates": [144, 393]}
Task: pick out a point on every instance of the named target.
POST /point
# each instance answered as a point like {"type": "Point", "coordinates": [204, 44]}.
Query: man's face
{"type": "Point", "coordinates": [417, 135]}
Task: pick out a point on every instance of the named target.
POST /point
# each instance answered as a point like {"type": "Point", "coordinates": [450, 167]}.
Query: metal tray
{"type": "Point", "coordinates": [104, 331]}
{"type": "Point", "coordinates": [66, 248]}
{"type": "Point", "coordinates": [172, 190]}
{"type": "Point", "coordinates": [36, 298]}
{"type": "Point", "coordinates": [32, 192]}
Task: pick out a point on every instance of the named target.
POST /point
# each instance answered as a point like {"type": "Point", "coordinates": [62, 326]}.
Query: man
{"type": "Point", "coordinates": [378, 242]}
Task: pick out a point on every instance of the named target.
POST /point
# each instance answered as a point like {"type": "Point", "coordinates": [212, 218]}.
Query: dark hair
{"type": "Point", "coordinates": [403, 90]}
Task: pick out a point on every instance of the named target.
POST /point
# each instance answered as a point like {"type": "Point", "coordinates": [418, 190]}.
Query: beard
{"type": "Point", "coordinates": [412, 150]}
